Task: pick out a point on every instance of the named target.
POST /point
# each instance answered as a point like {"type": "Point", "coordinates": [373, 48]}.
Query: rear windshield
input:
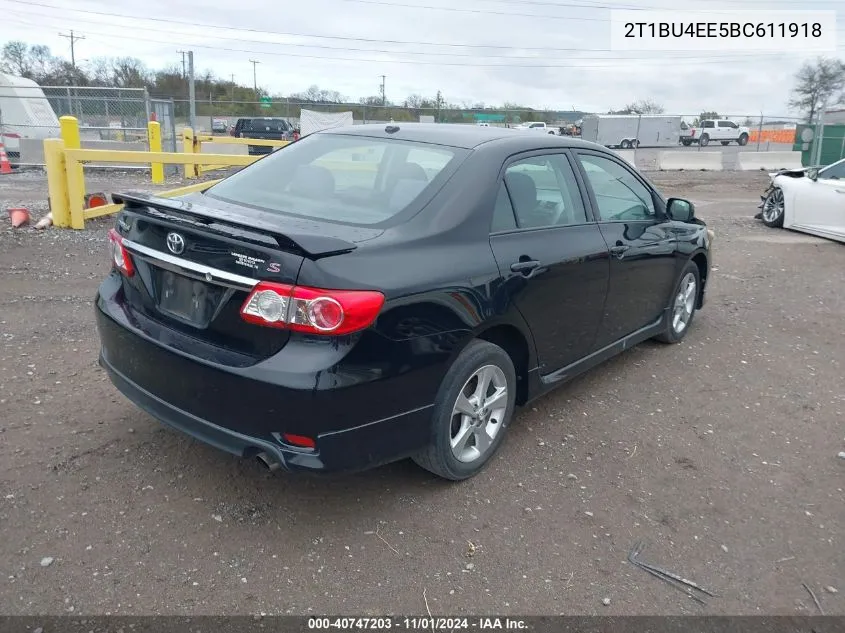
{"type": "Point", "coordinates": [344, 179]}
{"type": "Point", "coordinates": [266, 125]}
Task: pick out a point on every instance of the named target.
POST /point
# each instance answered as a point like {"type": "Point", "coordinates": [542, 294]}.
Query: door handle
{"type": "Point", "coordinates": [525, 266]}
{"type": "Point", "coordinates": [618, 251]}
{"type": "Point", "coordinates": [839, 190]}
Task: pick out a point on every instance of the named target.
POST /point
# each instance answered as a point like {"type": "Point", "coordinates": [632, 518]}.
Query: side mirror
{"type": "Point", "coordinates": [813, 173]}
{"type": "Point", "coordinates": [680, 209]}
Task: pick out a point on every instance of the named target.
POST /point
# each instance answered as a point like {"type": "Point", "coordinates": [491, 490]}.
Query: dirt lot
{"type": "Point", "coordinates": [720, 452]}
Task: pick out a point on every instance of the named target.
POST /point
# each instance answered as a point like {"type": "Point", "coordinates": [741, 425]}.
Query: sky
{"type": "Point", "coordinates": [549, 54]}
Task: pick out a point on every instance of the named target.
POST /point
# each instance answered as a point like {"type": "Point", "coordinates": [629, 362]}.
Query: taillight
{"type": "Point", "coordinates": [119, 255]}
{"type": "Point", "coordinates": [692, 132]}
{"type": "Point", "coordinates": [311, 310]}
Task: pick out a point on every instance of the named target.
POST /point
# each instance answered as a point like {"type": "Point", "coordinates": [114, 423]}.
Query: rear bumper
{"type": "Point", "coordinates": [349, 450]}
{"type": "Point", "coordinates": [358, 420]}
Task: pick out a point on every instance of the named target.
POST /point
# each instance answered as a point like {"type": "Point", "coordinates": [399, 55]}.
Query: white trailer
{"type": "Point", "coordinates": [25, 113]}
{"type": "Point", "coordinates": [631, 130]}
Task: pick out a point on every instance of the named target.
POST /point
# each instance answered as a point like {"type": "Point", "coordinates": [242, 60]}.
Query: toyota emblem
{"type": "Point", "coordinates": [175, 243]}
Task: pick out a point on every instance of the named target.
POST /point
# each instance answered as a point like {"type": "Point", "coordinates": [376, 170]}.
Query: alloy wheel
{"type": "Point", "coordinates": [478, 414]}
{"type": "Point", "coordinates": [684, 303]}
{"type": "Point", "coordinates": [773, 206]}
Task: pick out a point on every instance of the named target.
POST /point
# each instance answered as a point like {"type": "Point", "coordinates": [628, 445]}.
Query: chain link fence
{"type": "Point", "coordinates": [109, 118]}
{"type": "Point", "coordinates": [117, 118]}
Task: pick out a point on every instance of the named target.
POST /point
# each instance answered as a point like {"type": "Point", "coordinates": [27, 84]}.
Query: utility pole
{"type": "Point", "coordinates": [254, 76]}
{"type": "Point", "coordinates": [383, 97]}
{"type": "Point", "coordinates": [184, 71]}
{"type": "Point", "coordinates": [233, 88]}
{"type": "Point", "coordinates": [192, 96]}
{"type": "Point", "coordinates": [73, 39]}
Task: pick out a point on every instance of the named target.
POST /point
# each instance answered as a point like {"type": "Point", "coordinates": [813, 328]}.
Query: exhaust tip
{"type": "Point", "coordinates": [269, 462]}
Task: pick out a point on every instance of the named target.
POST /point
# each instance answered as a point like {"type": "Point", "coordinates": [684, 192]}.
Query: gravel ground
{"type": "Point", "coordinates": [720, 453]}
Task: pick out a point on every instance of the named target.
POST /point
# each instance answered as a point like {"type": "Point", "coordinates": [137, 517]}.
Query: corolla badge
{"type": "Point", "coordinates": [175, 243]}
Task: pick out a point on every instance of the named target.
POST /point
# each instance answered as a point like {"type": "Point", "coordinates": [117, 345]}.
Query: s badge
{"type": "Point", "coordinates": [273, 267]}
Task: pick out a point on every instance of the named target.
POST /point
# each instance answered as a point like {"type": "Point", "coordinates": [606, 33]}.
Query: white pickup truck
{"type": "Point", "coordinates": [720, 130]}
{"type": "Point", "coordinates": [537, 126]}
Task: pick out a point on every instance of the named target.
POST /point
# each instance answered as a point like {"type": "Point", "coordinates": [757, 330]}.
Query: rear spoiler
{"type": "Point", "coordinates": [312, 245]}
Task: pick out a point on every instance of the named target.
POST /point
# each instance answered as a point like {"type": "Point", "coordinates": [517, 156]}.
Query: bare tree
{"type": "Point", "coordinates": [817, 83]}
{"type": "Point", "coordinates": [413, 101]}
{"type": "Point", "coordinates": [643, 106]}
{"type": "Point", "coordinates": [129, 72]}
{"type": "Point", "coordinates": [40, 59]}
{"type": "Point", "coordinates": [101, 71]}
{"type": "Point", "coordinates": [15, 58]}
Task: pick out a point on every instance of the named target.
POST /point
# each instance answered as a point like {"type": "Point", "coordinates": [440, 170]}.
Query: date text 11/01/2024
{"type": "Point", "coordinates": [706, 30]}
{"type": "Point", "coordinates": [417, 623]}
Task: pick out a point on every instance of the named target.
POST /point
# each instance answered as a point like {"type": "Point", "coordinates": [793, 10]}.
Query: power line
{"type": "Point", "coordinates": [423, 53]}
{"type": "Point", "coordinates": [659, 61]}
{"type": "Point", "coordinates": [527, 15]}
{"type": "Point", "coordinates": [623, 57]}
{"type": "Point", "coordinates": [73, 39]}
{"type": "Point", "coordinates": [289, 34]}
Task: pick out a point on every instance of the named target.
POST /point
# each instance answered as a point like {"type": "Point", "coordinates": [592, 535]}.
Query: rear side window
{"type": "Point", "coordinates": [345, 179]}
{"type": "Point", "coordinates": [544, 192]}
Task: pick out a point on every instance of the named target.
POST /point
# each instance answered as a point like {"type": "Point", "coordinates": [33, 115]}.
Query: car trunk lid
{"type": "Point", "coordinates": [197, 259]}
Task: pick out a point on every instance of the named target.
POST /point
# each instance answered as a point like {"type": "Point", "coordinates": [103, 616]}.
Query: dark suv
{"type": "Point", "coordinates": [270, 128]}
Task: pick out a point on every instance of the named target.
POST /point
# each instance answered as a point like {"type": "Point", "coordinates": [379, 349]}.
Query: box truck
{"type": "Point", "coordinates": [25, 113]}
{"type": "Point", "coordinates": [631, 130]}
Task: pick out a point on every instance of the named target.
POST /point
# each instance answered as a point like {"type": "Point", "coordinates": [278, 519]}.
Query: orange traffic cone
{"type": "Point", "coordinates": [95, 200]}
{"type": "Point", "coordinates": [5, 165]}
{"type": "Point", "coordinates": [19, 216]}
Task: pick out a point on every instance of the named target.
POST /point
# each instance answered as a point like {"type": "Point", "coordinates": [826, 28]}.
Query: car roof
{"type": "Point", "coordinates": [460, 135]}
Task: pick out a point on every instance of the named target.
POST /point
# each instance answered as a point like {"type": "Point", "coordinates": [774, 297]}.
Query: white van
{"type": "Point", "coordinates": [25, 113]}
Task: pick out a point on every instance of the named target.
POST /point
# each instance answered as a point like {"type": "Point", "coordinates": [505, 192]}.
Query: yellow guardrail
{"type": "Point", "coordinates": [64, 159]}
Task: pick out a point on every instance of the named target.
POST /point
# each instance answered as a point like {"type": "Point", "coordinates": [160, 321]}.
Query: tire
{"type": "Point", "coordinates": [743, 139]}
{"type": "Point", "coordinates": [774, 207]}
{"type": "Point", "coordinates": [625, 144]}
{"type": "Point", "coordinates": [686, 143]}
{"type": "Point", "coordinates": [440, 457]}
{"type": "Point", "coordinates": [683, 306]}
{"type": "Point", "coordinates": [725, 142]}
{"type": "Point", "coordinates": [704, 140]}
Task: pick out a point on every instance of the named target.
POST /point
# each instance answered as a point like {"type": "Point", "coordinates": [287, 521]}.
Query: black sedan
{"type": "Point", "coordinates": [373, 293]}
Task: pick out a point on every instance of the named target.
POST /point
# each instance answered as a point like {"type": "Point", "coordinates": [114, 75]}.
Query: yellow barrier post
{"type": "Point", "coordinates": [189, 146]}
{"type": "Point", "coordinates": [54, 158]}
{"type": "Point", "coordinates": [69, 127]}
{"type": "Point", "coordinates": [75, 192]}
{"type": "Point", "coordinates": [154, 139]}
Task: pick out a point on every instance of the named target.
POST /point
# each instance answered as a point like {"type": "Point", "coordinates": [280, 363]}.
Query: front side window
{"type": "Point", "coordinates": [619, 194]}
{"type": "Point", "coordinates": [836, 171]}
{"type": "Point", "coordinates": [339, 178]}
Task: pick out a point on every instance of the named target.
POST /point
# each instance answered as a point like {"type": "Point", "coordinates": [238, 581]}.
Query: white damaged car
{"type": "Point", "coordinates": [809, 200]}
